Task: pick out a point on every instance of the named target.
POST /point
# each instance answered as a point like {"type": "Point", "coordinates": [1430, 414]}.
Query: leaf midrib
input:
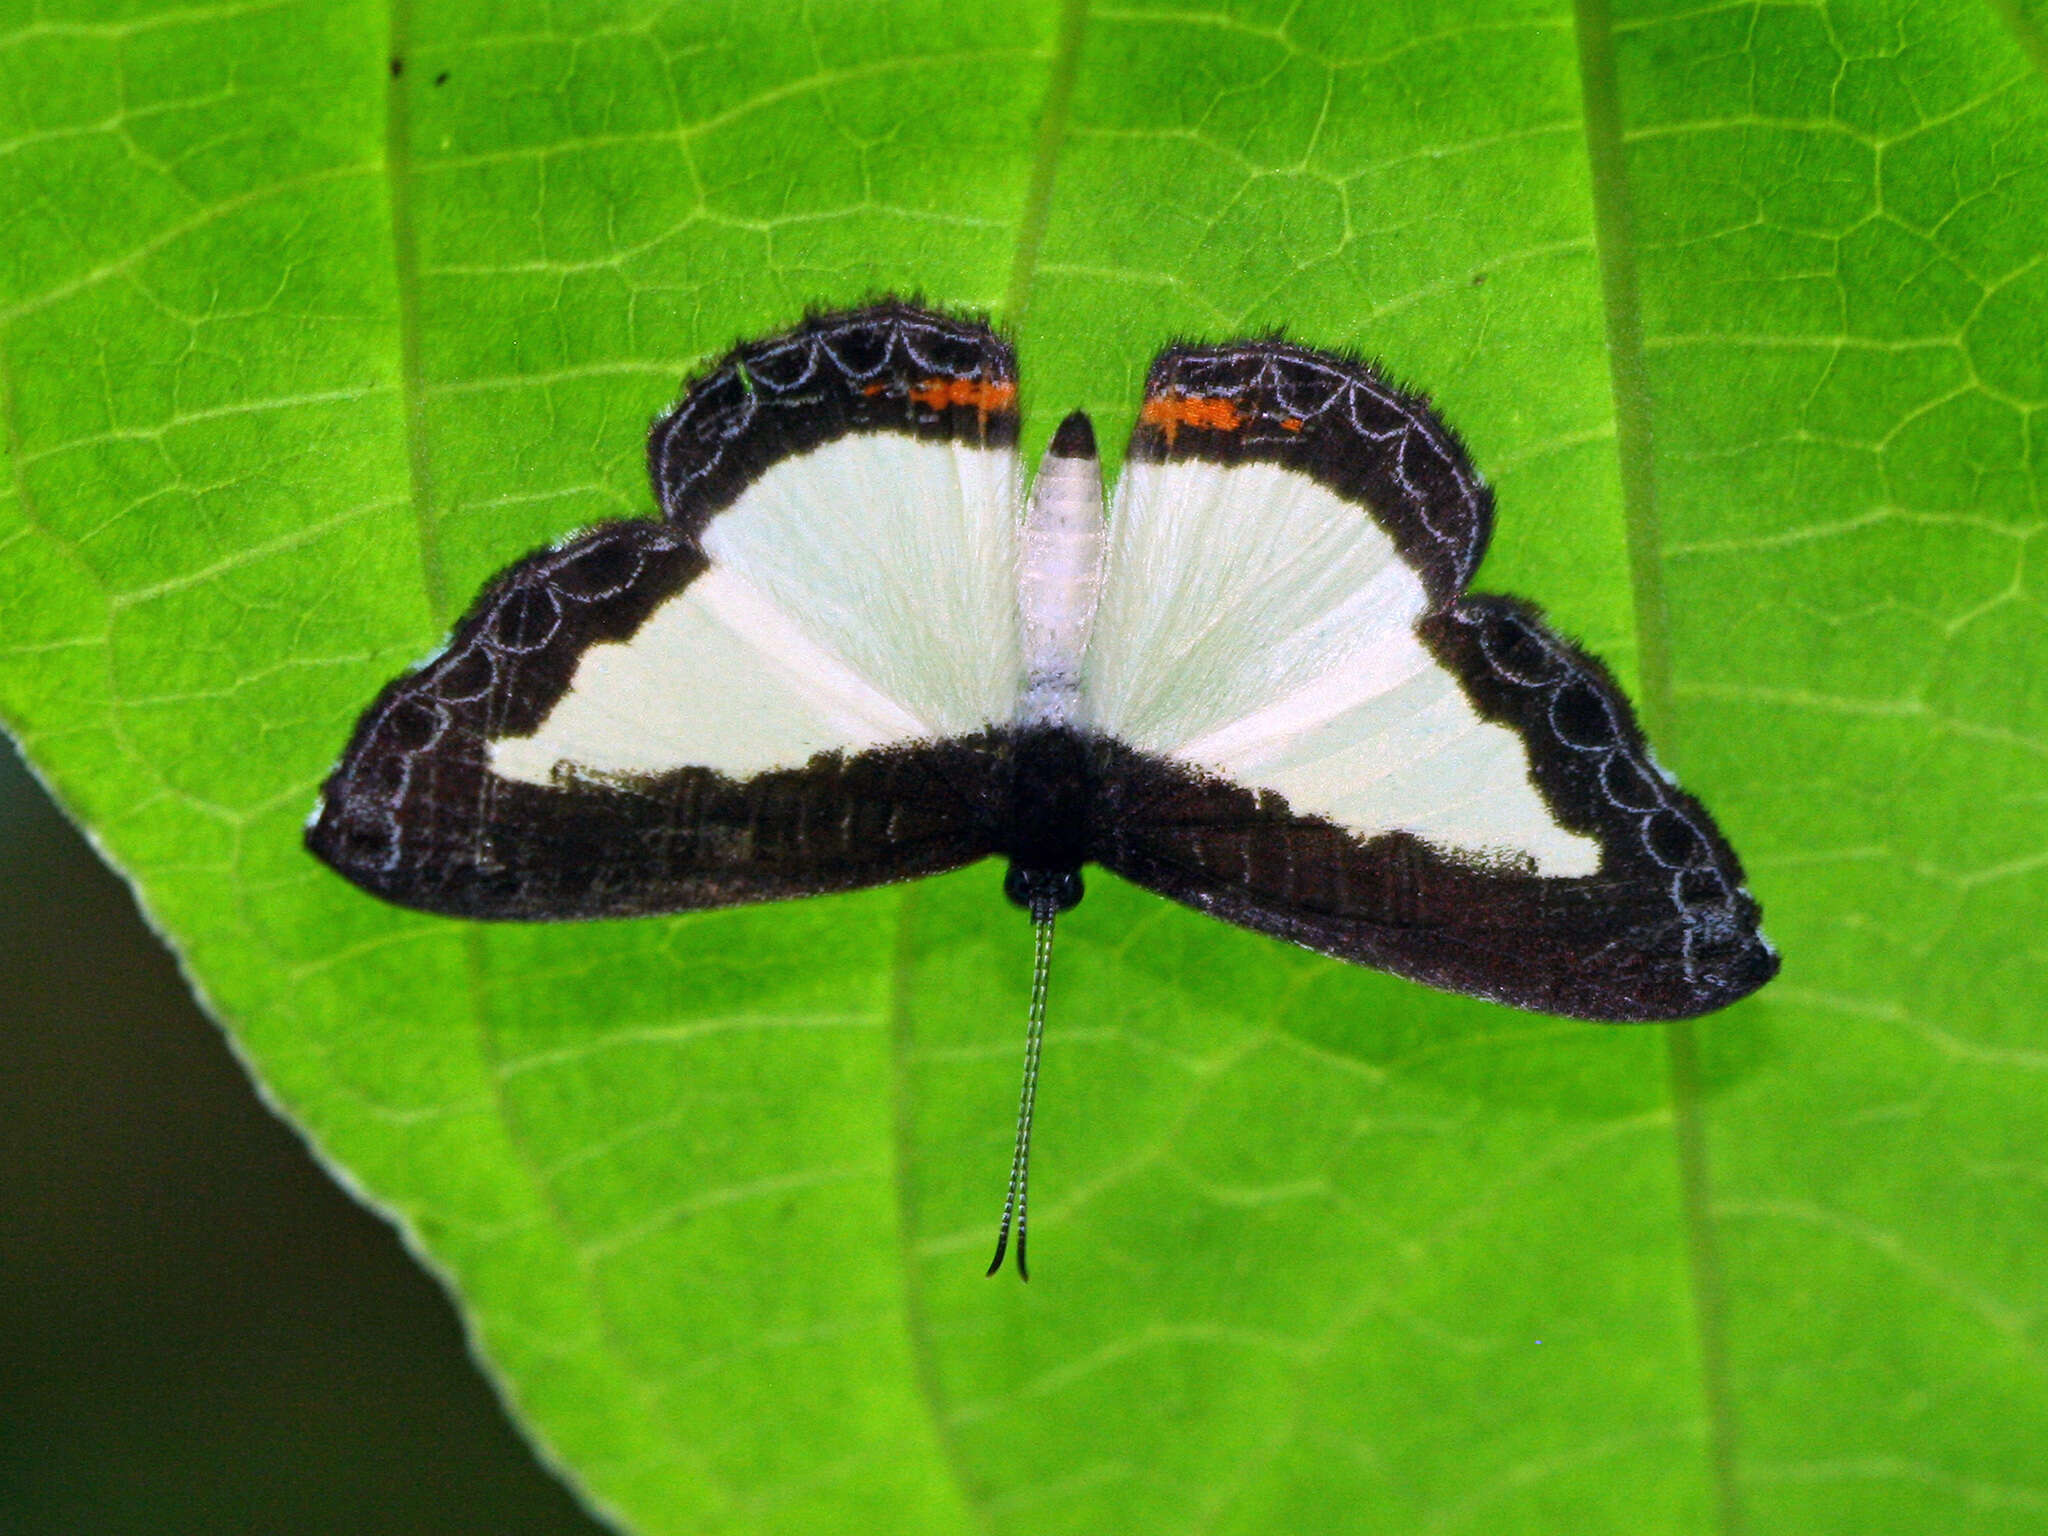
{"type": "Point", "coordinates": [2025, 31]}
{"type": "Point", "coordinates": [1051, 139]}
{"type": "Point", "coordinates": [916, 1319]}
{"type": "Point", "coordinates": [1634, 447]}
{"type": "Point", "coordinates": [1031, 226]}
{"type": "Point", "coordinates": [405, 271]}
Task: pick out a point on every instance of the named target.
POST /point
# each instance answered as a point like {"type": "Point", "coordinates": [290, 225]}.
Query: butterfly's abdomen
{"type": "Point", "coordinates": [1059, 573]}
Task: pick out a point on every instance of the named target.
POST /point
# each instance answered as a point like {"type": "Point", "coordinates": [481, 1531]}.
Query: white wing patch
{"type": "Point", "coordinates": [1259, 626]}
{"type": "Point", "coordinates": [860, 594]}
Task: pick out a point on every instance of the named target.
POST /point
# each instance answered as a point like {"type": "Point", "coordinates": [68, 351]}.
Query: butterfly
{"type": "Point", "coordinates": [852, 651]}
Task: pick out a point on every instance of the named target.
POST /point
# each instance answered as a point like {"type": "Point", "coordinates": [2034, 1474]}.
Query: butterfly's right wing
{"type": "Point", "coordinates": [1310, 728]}
{"type": "Point", "coordinates": [787, 686]}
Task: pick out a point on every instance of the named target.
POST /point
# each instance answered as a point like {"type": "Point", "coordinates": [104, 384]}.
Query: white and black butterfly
{"type": "Point", "coordinates": [850, 652]}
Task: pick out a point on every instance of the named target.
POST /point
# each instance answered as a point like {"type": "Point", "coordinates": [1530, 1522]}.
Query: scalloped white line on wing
{"type": "Point", "coordinates": [1261, 627]}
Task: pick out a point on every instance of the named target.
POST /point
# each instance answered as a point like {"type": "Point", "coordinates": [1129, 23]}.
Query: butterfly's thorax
{"type": "Point", "coordinates": [1045, 821]}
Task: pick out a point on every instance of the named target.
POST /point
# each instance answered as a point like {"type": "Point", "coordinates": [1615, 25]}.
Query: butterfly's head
{"type": "Point", "coordinates": [1036, 889]}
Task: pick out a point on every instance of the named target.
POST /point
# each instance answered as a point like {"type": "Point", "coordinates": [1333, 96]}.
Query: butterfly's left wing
{"type": "Point", "coordinates": [1310, 729]}
{"type": "Point", "coordinates": [788, 685]}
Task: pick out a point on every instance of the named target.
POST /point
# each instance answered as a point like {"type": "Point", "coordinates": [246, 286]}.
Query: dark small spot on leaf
{"type": "Point", "coordinates": [441, 78]}
{"type": "Point", "coordinates": [397, 67]}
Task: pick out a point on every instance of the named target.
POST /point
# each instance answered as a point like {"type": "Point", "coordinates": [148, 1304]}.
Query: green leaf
{"type": "Point", "coordinates": [1741, 308]}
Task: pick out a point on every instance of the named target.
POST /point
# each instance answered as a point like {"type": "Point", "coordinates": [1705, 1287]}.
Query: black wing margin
{"type": "Point", "coordinates": [1337, 420]}
{"type": "Point", "coordinates": [891, 366]}
{"type": "Point", "coordinates": [413, 812]}
{"type": "Point", "coordinates": [1664, 929]}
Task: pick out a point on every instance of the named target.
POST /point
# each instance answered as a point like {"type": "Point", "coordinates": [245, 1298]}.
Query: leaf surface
{"type": "Point", "coordinates": [1741, 309]}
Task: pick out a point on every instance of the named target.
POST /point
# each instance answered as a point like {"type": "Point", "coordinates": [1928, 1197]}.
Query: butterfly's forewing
{"type": "Point", "coordinates": [783, 687]}
{"type": "Point", "coordinates": [1313, 731]}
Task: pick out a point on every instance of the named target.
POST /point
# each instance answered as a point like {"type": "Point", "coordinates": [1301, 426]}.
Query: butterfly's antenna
{"type": "Point", "coordinates": [1043, 911]}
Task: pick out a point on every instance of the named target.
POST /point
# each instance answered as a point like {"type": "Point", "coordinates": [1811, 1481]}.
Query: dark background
{"type": "Point", "coordinates": [199, 1331]}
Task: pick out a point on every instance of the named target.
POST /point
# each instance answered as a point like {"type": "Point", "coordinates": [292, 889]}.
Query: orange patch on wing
{"type": "Point", "coordinates": [1172, 412]}
{"type": "Point", "coordinates": [1291, 423]}
{"type": "Point", "coordinates": [984, 395]}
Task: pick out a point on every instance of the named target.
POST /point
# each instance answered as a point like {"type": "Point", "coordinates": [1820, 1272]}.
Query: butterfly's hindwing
{"type": "Point", "coordinates": [417, 813]}
{"type": "Point", "coordinates": [1664, 929]}
{"type": "Point", "coordinates": [1663, 857]}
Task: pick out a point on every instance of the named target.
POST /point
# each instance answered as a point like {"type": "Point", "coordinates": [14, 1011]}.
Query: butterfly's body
{"type": "Point", "coordinates": [1048, 787]}
{"type": "Point", "coordinates": [850, 653]}
{"type": "Point", "coordinates": [1059, 574]}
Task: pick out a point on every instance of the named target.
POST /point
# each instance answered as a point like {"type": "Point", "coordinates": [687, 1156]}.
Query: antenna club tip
{"type": "Point", "coordinates": [1075, 438]}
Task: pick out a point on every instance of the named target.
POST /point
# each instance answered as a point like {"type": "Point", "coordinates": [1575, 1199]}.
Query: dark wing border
{"type": "Point", "coordinates": [1338, 420]}
{"type": "Point", "coordinates": [890, 366]}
